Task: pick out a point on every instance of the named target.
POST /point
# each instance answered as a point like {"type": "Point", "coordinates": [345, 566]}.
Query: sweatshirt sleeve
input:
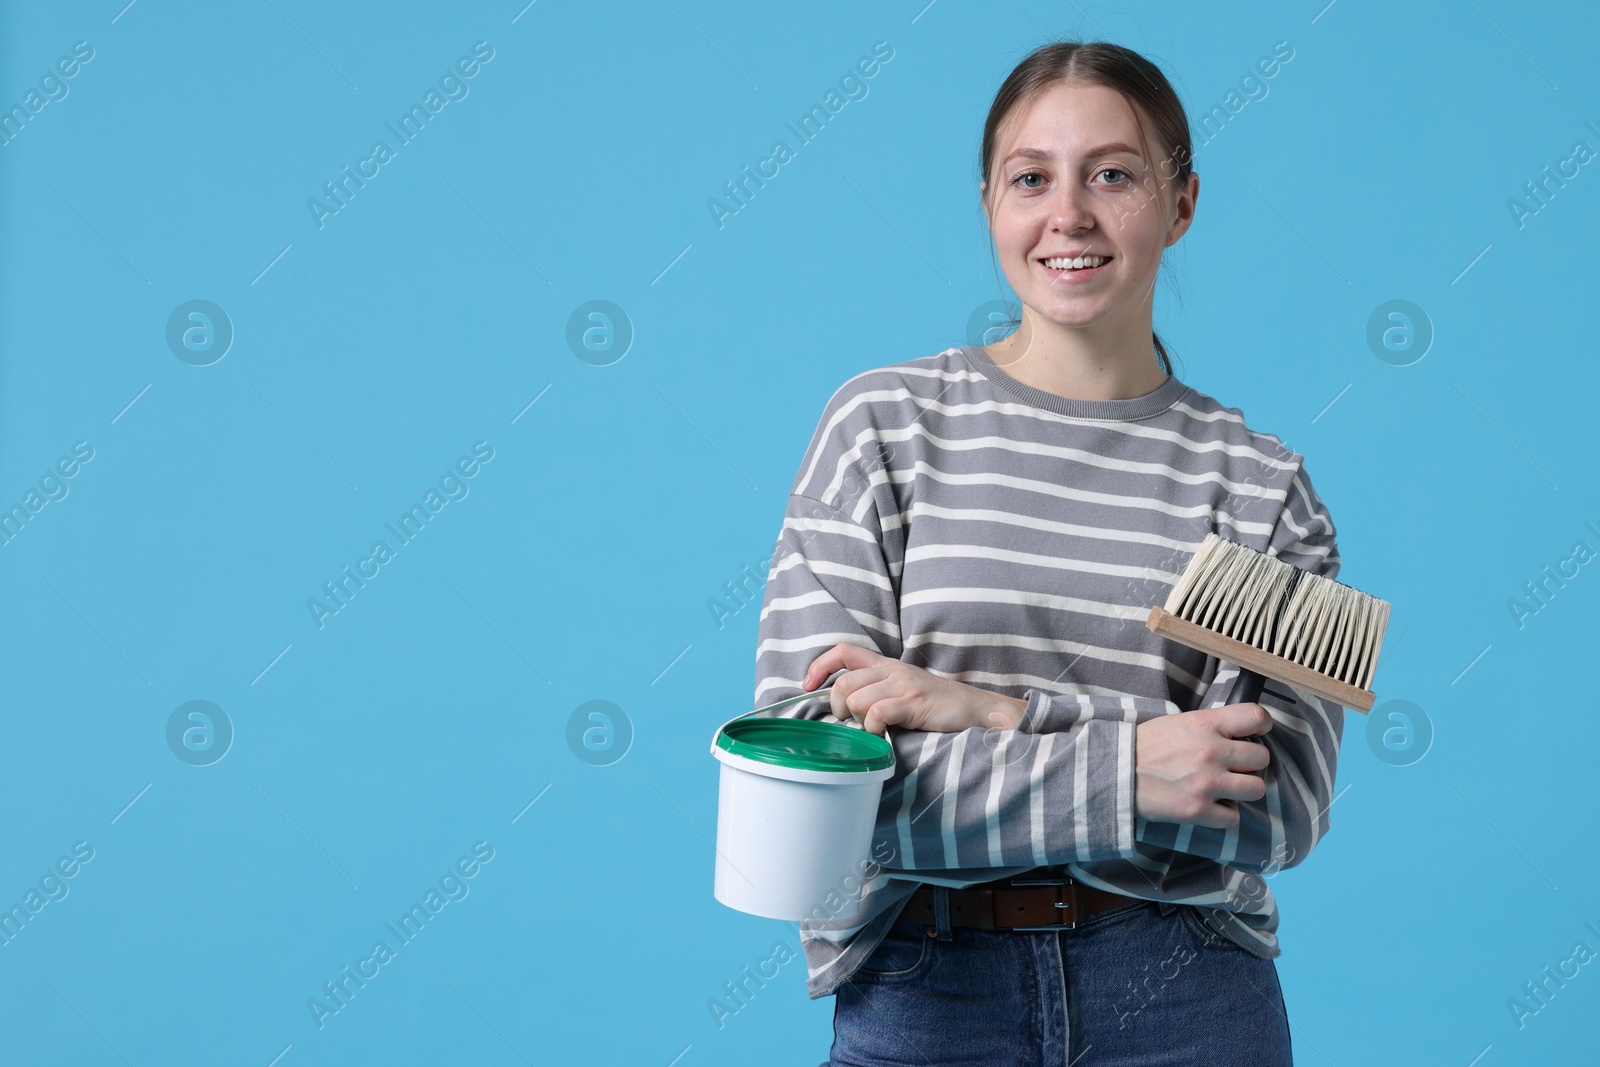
{"type": "Point", "coordinates": [976, 798]}
{"type": "Point", "coordinates": [1281, 828]}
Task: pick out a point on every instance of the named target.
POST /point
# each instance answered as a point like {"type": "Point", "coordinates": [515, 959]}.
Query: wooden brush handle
{"type": "Point", "coordinates": [1165, 624]}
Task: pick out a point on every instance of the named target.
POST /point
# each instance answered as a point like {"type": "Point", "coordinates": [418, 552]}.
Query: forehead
{"type": "Point", "coordinates": [1068, 119]}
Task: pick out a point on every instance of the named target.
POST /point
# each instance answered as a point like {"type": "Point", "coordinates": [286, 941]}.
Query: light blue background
{"type": "Point", "coordinates": [427, 314]}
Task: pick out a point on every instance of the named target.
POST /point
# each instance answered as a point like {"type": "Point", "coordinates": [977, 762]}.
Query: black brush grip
{"type": "Point", "coordinates": [1248, 688]}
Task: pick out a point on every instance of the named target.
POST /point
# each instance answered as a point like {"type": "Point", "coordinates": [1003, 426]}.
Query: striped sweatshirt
{"type": "Point", "coordinates": [951, 516]}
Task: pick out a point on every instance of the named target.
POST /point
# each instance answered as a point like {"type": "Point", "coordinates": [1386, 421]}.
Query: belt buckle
{"type": "Point", "coordinates": [1066, 882]}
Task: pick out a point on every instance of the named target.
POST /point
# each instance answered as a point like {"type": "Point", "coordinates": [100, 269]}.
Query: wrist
{"type": "Point", "coordinates": [1002, 712]}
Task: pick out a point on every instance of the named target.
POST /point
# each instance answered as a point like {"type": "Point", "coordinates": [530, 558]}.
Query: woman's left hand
{"type": "Point", "coordinates": [888, 692]}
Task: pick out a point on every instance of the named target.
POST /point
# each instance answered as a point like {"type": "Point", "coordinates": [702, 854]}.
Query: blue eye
{"type": "Point", "coordinates": [1126, 177]}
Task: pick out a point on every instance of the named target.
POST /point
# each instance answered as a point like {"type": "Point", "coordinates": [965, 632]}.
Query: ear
{"type": "Point", "coordinates": [1187, 197]}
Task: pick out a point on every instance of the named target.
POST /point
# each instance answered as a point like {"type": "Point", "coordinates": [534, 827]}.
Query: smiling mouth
{"type": "Point", "coordinates": [1081, 267]}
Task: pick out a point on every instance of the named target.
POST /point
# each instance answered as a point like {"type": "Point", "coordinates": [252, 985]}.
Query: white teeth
{"type": "Point", "coordinates": [1075, 264]}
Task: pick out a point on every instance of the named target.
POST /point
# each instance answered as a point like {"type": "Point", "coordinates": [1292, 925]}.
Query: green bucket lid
{"type": "Point", "coordinates": [806, 744]}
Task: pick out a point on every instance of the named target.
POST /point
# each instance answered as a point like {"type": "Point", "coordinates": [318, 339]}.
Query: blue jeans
{"type": "Point", "coordinates": [1146, 983]}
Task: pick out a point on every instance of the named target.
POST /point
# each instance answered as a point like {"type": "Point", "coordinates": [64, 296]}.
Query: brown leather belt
{"type": "Point", "coordinates": [1021, 903]}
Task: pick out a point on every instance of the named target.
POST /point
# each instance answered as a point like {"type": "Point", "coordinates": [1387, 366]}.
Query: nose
{"type": "Point", "coordinates": [1072, 209]}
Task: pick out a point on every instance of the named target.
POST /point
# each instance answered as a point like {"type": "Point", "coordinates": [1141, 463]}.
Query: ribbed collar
{"type": "Point", "coordinates": [1163, 397]}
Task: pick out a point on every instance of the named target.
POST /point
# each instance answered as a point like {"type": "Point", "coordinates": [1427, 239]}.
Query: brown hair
{"type": "Point", "coordinates": [1115, 67]}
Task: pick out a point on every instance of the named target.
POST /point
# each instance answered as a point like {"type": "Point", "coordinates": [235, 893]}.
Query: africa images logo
{"type": "Point", "coordinates": [452, 87]}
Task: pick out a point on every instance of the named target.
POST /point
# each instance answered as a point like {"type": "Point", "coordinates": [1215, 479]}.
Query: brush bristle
{"type": "Point", "coordinates": [1257, 599]}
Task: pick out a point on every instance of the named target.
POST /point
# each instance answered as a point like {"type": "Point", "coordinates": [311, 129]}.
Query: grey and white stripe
{"type": "Point", "coordinates": [951, 516]}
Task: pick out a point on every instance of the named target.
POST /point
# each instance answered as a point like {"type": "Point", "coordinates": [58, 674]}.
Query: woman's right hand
{"type": "Point", "coordinates": [1188, 767]}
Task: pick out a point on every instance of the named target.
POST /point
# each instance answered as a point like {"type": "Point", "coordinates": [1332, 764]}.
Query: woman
{"type": "Point", "coordinates": [1071, 853]}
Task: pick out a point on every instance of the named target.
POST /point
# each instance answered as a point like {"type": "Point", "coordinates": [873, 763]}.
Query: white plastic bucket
{"type": "Point", "coordinates": [796, 804]}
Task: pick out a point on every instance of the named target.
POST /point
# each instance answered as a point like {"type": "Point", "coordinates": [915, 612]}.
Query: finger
{"type": "Point", "coordinates": [836, 701]}
{"type": "Point", "coordinates": [853, 681]}
{"type": "Point", "coordinates": [884, 713]}
{"type": "Point", "coordinates": [842, 656]}
{"type": "Point", "coordinates": [1241, 787]}
{"type": "Point", "coordinates": [1222, 815]}
{"type": "Point", "coordinates": [820, 668]}
{"type": "Point", "coordinates": [848, 684]}
{"type": "Point", "coordinates": [1243, 720]}
{"type": "Point", "coordinates": [1247, 755]}
{"type": "Point", "coordinates": [871, 691]}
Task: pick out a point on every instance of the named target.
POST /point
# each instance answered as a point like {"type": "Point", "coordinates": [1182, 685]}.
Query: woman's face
{"type": "Point", "coordinates": [1071, 178]}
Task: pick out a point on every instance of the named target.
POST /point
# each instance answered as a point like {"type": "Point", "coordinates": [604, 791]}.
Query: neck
{"type": "Point", "coordinates": [1081, 363]}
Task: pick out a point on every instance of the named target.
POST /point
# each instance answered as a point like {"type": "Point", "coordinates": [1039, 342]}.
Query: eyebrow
{"type": "Point", "coordinates": [1029, 152]}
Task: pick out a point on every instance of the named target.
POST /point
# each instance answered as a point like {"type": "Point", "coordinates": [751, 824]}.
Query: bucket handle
{"type": "Point", "coordinates": [785, 703]}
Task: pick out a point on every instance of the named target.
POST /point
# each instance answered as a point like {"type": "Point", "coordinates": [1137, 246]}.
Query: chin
{"type": "Point", "coordinates": [1070, 312]}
